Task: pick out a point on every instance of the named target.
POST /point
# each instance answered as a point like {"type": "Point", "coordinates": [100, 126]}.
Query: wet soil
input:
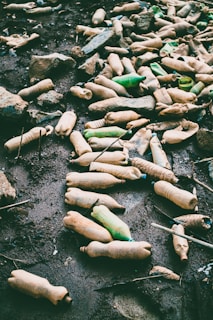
{"type": "Point", "coordinates": [32, 235]}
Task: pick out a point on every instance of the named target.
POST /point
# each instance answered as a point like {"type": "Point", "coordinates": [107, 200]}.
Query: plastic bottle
{"type": "Point", "coordinates": [180, 197]}
{"type": "Point", "coordinates": [38, 287]}
{"type": "Point", "coordinates": [118, 228]}
{"type": "Point", "coordinates": [129, 80]}
{"type": "Point", "coordinates": [180, 244]}
{"type": "Point", "coordinates": [158, 154]}
{"type": "Point", "coordinates": [153, 170]}
{"type": "Point", "coordinates": [137, 250]}
{"type": "Point", "coordinates": [86, 227]}
{"type": "Point", "coordinates": [92, 180]}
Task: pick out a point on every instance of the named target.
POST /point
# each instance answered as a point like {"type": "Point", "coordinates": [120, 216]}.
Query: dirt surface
{"type": "Point", "coordinates": [34, 232]}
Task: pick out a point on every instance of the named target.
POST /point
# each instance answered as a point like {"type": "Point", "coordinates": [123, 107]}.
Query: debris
{"type": "Point", "coordinates": [144, 104]}
{"type": "Point", "coordinates": [116, 249]}
{"type": "Point", "coordinates": [82, 93]}
{"type": "Point", "coordinates": [66, 124]}
{"type": "Point", "coordinates": [197, 221]}
{"type": "Point", "coordinates": [36, 89]}
{"type": "Point", "coordinates": [29, 136]}
{"type": "Point", "coordinates": [38, 116]}
{"type": "Point", "coordinates": [80, 144]}
{"type": "Point", "coordinates": [49, 99]}
{"type": "Point", "coordinates": [158, 154]}
{"type": "Point", "coordinates": [113, 157]}
{"type": "Point", "coordinates": [118, 228]}
{"type": "Point", "coordinates": [121, 172]}
{"type": "Point", "coordinates": [38, 287]}
{"type": "Point", "coordinates": [204, 139]}
{"type": "Point", "coordinates": [12, 106]}
{"type": "Point", "coordinates": [86, 199]}
{"type": "Point", "coordinates": [180, 244]}
{"type": "Point", "coordinates": [186, 130]}
{"type": "Point", "coordinates": [165, 272]}
{"type": "Point", "coordinates": [153, 170]}
{"type": "Point", "coordinates": [92, 180]}
{"type": "Point", "coordinates": [41, 66]}
{"type": "Point", "coordinates": [86, 227]}
{"type": "Point", "coordinates": [16, 41]}
{"type": "Point", "coordinates": [182, 198]}
{"type": "Point", "coordinates": [202, 243]}
{"type": "Point", "coordinates": [7, 192]}
{"type": "Point", "coordinates": [127, 283]}
{"type": "Point", "coordinates": [14, 204]}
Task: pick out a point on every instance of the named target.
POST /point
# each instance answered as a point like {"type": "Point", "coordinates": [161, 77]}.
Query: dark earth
{"type": "Point", "coordinates": [32, 235]}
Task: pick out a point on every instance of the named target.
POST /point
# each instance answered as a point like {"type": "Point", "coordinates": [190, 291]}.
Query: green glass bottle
{"type": "Point", "coordinates": [129, 80]}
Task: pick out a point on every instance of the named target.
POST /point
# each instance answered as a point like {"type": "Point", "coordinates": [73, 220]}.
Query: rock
{"type": "Point", "coordinates": [7, 192]}
{"type": "Point", "coordinates": [205, 139]}
{"type": "Point", "coordinates": [12, 106]}
{"type": "Point", "coordinates": [41, 66]}
{"type": "Point", "coordinates": [49, 98]}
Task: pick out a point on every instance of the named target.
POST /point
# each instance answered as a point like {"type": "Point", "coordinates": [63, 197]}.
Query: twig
{"type": "Point", "coordinates": [129, 282]}
{"type": "Point", "coordinates": [208, 2]}
{"type": "Point", "coordinates": [121, 136]}
{"type": "Point", "coordinates": [13, 259]}
{"type": "Point", "coordinates": [202, 184]}
{"type": "Point", "coordinates": [203, 160]}
{"type": "Point", "coordinates": [39, 146]}
{"type": "Point", "coordinates": [19, 148]}
{"type": "Point", "coordinates": [90, 208]}
{"type": "Point", "coordinates": [203, 243]}
{"type": "Point", "coordinates": [14, 204]}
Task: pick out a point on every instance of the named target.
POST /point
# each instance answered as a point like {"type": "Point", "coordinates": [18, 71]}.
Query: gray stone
{"type": "Point", "coordinates": [12, 106]}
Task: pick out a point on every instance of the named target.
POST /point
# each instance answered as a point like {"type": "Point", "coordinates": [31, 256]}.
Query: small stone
{"type": "Point", "coordinates": [41, 66]}
{"type": "Point", "coordinates": [205, 139]}
{"type": "Point", "coordinates": [12, 106]}
{"type": "Point", "coordinates": [49, 98]}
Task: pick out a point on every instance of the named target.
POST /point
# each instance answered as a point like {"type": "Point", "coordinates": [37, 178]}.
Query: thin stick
{"type": "Point", "coordinates": [14, 204]}
{"type": "Point", "coordinates": [129, 282]}
{"type": "Point", "coordinates": [203, 243]}
{"type": "Point", "coordinates": [39, 146]}
{"type": "Point", "coordinates": [121, 136]}
{"type": "Point", "coordinates": [176, 221]}
{"type": "Point", "coordinates": [90, 208]}
{"type": "Point", "coordinates": [203, 160]}
{"type": "Point", "coordinates": [13, 259]}
{"type": "Point", "coordinates": [202, 184]}
{"type": "Point", "coordinates": [19, 148]}
{"type": "Point", "coordinates": [194, 191]}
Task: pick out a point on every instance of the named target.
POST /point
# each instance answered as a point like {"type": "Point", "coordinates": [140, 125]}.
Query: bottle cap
{"type": "Point", "coordinates": [144, 176]}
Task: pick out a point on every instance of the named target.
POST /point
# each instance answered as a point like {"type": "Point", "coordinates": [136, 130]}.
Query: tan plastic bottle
{"type": "Point", "coordinates": [180, 197]}
{"type": "Point", "coordinates": [38, 287]}
{"type": "Point", "coordinates": [86, 227]}
{"type": "Point", "coordinates": [136, 250]}
{"type": "Point", "coordinates": [180, 244]}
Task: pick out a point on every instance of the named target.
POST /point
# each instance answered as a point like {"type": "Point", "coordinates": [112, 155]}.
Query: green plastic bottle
{"type": "Point", "coordinates": [158, 13]}
{"type": "Point", "coordinates": [118, 228]}
{"type": "Point", "coordinates": [185, 83]}
{"type": "Point", "coordinates": [129, 80]}
{"type": "Point", "coordinates": [157, 69]}
{"type": "Point", "coordinates": [112, 131]}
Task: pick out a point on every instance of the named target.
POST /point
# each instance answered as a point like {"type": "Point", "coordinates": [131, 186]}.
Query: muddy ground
{"type": "Point", "coordinates": [34, 232]}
